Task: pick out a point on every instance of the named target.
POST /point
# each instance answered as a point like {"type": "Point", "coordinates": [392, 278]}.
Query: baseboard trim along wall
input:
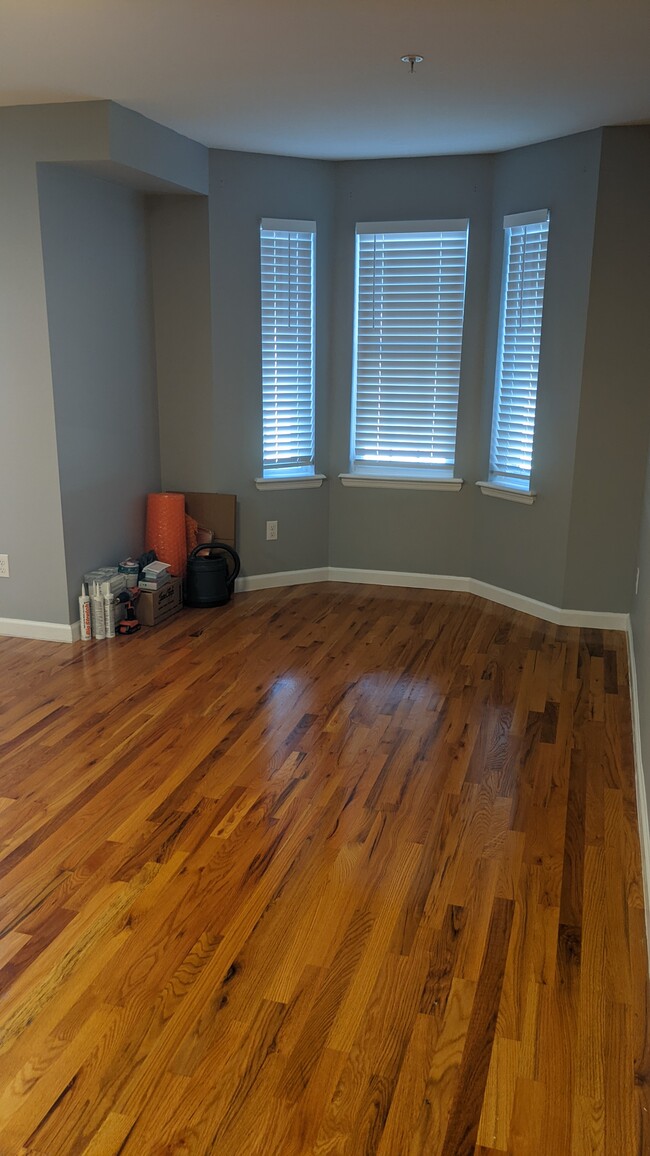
{"type": "Point", "coordinates": [282, 578]}
{"type": "Point", "coordinates": [641, 797]}
{"type": "Point", "coordinates": [43, 631]}
{"type": "Point", "coordinates": [602, 620]}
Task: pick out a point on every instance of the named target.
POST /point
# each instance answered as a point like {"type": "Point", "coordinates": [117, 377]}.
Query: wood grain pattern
{"type": "Point", "coordinates": [332, 871]}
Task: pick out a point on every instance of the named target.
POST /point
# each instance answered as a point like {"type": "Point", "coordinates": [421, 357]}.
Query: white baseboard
{"type": "Point", "coordinates": [641, 797]}
{"type": "Point", "coordinates": [411, 580]}
{"type": "Point", "coordinates": [43, 631]}
{"type": "Point", "coordinates": [282, 578]}
{"type": "Point", "coordinates": [601, 620]}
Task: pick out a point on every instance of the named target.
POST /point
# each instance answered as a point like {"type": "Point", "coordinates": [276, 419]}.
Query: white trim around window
{"type": "Point", "coordinates": [297, 482]}
{"type": "Point", "coordinates": [394, 482]}
{"type": "Point", "coordinates": [509, 493]}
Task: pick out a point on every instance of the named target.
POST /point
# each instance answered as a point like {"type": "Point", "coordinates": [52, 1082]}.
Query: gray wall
{"type": "Point", "coordinates": [626, 360]}
{"type": "Point", "coordinates": [385, 529]}
{"type": "Point", "coordinates": [103, 138]}
{"type": "Point", "coordinates": [641, 629]}
{"type": "Point", "coordinates": [519, 547]}
{"type": "Point", "coordinates": [614, 419]}
{"type": "Point", "coordinates": [206, 301]}
{"type": "Point", "coordinates": [243, 189]}
{"type": "Point", "coordinates": [97, 281]}
{"type": "Point", "coordinates": [211, 426]}
{"type": "Point", "coordinates": [153, 157]}
{"type": "Point", "coordinates": [180, 263]}
{"type": "Point", "coordinates": [31, 524]}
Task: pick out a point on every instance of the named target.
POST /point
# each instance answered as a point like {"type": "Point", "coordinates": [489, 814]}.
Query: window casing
{"type": "Point", "coordinates": [520, 331]}
{"type": "Point", "coordinates": [408, 330]}
{"type": "Point", "coordinates": [287, 250]}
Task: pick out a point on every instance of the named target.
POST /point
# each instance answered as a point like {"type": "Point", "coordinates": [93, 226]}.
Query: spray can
{"type": "Point", "coordinates": [84, 614]}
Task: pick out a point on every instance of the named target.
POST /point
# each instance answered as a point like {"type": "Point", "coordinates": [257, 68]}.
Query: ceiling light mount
{"type": "Point", "coordinates": [412, 59]}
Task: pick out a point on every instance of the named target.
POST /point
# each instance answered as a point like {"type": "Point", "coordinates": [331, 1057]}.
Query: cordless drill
{"type": "Point", "coordinates": [129, 624]}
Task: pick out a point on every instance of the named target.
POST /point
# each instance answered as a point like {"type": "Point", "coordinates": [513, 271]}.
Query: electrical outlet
{"type": "Point", "coordinates": [4, 565]}
{"type": "Point", "coordinates": [271, 531]}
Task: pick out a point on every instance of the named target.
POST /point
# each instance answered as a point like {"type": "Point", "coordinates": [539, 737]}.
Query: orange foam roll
{"type": "Point", "coordinates": [166, 530]}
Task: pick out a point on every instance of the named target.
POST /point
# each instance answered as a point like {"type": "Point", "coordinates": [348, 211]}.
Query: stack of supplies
{"type": "Point", "coordinates": [155, 576]}
{"type": "Point", "coordinates": [103, 586]}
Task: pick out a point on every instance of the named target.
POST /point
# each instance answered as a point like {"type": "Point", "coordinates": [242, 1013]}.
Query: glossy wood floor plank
{"type": "Point", "coordinates": [330, 871]}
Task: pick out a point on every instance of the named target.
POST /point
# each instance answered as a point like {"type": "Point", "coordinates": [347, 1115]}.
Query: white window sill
{"type": "Point", "coordinates": [295, 482]}
{"type": "Point", "coordinates": [509, 493]}
{"type": "Point", "coordinates": [387, 482]}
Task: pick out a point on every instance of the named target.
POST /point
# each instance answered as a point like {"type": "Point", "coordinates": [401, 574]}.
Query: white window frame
{"type": "Point", "coordinates": [276, 473]}
{"type": "Point", "coordinates": [511, 483]}
{"type": "Point", "coordinates": [394, 473]}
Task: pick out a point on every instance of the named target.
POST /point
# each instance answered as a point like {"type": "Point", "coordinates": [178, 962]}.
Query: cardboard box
{"type": "Point", "coordinates": [217, 512]}
{"type": "Point", "coordinates": [154, 607]}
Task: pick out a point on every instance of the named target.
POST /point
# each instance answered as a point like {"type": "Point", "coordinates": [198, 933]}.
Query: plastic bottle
{"type": "Point", "coordinates": [97, 616]}
{"type": "Point", "coordinates": [84, 614]}
{"type": "Point", "coordinates": [109, 615]}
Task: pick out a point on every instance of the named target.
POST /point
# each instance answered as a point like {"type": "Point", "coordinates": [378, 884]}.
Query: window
{"type": "Point", "coordinates": [287, 273]}
{"type": "Point", "coordinates": [520, 330]}
{"type": "Point", "coordinates": [410, 297]}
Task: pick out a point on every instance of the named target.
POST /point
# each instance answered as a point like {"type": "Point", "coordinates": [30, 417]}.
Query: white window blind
{"type": "Point", "coordinates": [520, 330]}
{"type": "Point", "coordinates": [287, 276]}
{"type": "Point", "coordinates": [410, 297]}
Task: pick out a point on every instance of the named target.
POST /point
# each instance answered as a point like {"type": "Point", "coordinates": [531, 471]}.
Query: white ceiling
{"type": "Point", "coordinates": [323, 78]}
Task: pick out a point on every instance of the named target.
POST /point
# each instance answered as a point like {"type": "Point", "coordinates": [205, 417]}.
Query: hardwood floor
{"type": "Point", "coordinates": [333, 870]}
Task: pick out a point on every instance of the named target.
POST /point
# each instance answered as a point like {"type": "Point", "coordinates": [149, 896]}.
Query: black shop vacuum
{"type": "Point", "coordinates": [211, 572]}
